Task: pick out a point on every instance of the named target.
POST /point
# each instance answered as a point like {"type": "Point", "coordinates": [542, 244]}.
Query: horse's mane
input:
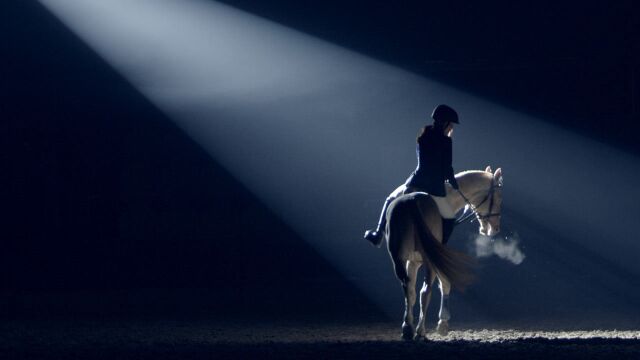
{"type": "Point", "coordinates": [470, 175]}
{"type": "Point", "coordinates": [469, 171]}
{"type": "Point", "coordinates": [481, 173]}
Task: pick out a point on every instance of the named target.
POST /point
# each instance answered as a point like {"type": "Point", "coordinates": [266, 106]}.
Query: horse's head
{"type": "Point", "coordinates": [488, 212]}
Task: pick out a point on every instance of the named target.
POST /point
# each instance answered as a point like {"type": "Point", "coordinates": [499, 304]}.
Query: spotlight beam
{"type": "Point", "coordinates": [321, 134]}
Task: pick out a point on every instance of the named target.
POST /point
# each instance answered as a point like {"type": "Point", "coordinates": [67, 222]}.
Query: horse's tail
{"type": "Point", "coordinates": [455, 266]}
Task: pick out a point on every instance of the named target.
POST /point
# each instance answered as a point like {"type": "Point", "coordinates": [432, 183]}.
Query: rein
{"type": "Point", "coordinates": [473, 208]}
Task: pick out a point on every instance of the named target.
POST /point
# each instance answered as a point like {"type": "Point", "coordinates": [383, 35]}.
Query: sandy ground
{"type": "Point", "coordinates": [152, 339]}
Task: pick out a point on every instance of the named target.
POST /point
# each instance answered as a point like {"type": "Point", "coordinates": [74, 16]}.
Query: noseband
{"type": "Point", "coordinates": [489, 196]}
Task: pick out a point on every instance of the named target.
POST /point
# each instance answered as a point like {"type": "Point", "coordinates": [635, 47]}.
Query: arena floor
{"type": "Point", "coordinates": [198, 339]}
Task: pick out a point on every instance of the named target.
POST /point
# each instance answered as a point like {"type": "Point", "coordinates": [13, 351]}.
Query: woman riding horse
{"type": "Point", "coordinates": [434, 151]}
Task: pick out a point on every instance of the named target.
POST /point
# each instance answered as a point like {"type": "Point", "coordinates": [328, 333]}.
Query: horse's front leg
{"type": "Point", "coordinates": [409, 288]}
{"type": "Point", "coordinates": [443, 323]}
{"type": "Point", "coordinates": [425, 298]}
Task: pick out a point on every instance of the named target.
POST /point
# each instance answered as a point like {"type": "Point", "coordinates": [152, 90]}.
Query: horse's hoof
{"type": "Point", "coordinates": [419, 337]}
{"type": "Point", "coordinates": [443, 328]}
{"type": "Point", "coordinates": [407, 332]}
{"type": "Point", "coordinates": [420, 332]}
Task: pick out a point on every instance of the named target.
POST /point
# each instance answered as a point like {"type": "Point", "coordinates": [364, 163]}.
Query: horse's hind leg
{"type": "Point", "coordinates": [443, 323]}
{"type": "Point", "coordinates": [425, 298]}
{"type": "Point", "coordinates": [399, 266]}
{"type": "Point", "coordinates": [409, 288]}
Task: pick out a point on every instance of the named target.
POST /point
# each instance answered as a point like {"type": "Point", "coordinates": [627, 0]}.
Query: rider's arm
{"type": "Point", "coordinates": [448, 160]}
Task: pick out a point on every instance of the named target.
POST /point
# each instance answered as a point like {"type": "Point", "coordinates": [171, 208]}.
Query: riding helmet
{"type": "Point", "coordinates": [444, 114]}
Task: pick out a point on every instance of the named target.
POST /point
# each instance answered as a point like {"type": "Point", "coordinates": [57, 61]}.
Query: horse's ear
{"type": "Point", "coordinates": [488, 169]}
{"type": "Point", "coordinates": [498, 175]}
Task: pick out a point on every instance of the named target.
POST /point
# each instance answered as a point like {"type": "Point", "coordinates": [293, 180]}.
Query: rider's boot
{"type": "Point", "coordinates": [376, 236]}
{"type": "Point", "coordinates": [447, 228]}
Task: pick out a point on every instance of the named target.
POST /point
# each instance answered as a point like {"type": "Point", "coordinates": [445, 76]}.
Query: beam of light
{"type": "Point", "coordinates": [321, 134]}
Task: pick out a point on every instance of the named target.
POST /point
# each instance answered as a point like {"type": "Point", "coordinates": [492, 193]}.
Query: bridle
{"type": "Point", "coordinates": [490, 197]}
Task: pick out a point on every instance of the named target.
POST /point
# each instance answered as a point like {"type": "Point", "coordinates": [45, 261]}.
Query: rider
{"type": "Point", "coordinates": [434, 151]}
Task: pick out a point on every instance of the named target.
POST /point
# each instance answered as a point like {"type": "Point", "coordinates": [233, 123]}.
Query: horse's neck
{"type": "Point", "coordinates": [474, 186]}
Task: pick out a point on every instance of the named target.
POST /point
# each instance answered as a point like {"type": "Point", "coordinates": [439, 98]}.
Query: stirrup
{"type": "Point", "coordinates": [374, 237]}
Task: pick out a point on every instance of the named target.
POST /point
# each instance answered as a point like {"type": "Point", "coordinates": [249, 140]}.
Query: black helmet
{"type": "Point", "coordinates": [444, 114]}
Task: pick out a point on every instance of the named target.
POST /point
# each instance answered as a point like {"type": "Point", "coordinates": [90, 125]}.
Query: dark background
{"type": "Point", "coordinates": [110, 209]}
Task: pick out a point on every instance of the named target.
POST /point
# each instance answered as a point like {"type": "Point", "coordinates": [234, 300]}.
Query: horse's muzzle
{"type": "Point", "coordinates": [490, 230]}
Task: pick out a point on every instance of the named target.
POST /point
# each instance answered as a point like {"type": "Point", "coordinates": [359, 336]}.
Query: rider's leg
{"type": "Point", "coordinates": [375, 236]}
{"type": "Point", "coordinates": [448, 217]}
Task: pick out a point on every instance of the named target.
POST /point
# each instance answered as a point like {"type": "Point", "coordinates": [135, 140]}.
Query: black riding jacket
{"type": "Point", "coordinates": [434, 151]}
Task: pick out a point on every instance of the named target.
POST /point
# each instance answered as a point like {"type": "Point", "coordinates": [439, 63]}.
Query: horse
{"type": "Point", "coordinates": [414, 238]}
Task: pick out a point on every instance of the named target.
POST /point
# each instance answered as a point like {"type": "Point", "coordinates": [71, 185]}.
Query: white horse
{"type": "Point", "coordinates": [414, 238]}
